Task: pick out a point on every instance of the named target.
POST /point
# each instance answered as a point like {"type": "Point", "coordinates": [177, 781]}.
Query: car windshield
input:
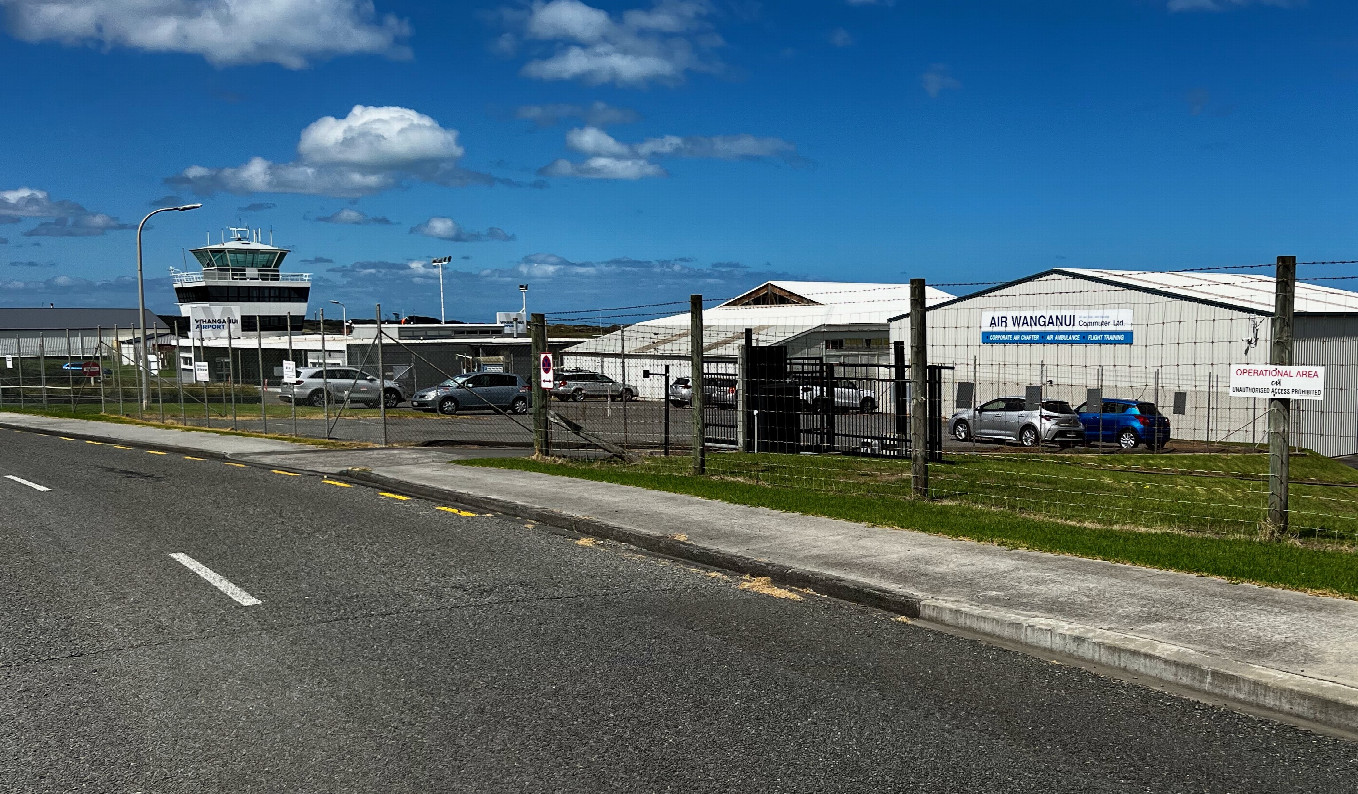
{"type": "Point", "coordinates": [1057, 407]}
{"type": "Point", "coordinates": [1148, 409]}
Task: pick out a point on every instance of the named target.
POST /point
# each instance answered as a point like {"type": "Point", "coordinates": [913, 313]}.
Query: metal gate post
{"type": "Point", "coordinates": [263, 383]}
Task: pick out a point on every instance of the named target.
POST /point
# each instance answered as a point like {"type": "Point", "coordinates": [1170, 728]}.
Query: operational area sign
{"type": "Point", "coordinates": [546, 372]}
{"type": "Point", "coordinates": [1275, 380]}
{"type": "Point", "coordinates": [1057, 327]}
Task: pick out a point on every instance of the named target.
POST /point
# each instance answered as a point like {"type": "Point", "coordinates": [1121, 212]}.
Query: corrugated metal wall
{"type": "Point", "coordinates": [1179, 346]}
{"type": "Point", "coordinates": [1328, 426]}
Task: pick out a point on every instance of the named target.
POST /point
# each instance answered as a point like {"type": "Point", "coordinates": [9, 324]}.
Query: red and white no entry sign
{"type": "Point", "coordinates": [545, 370]}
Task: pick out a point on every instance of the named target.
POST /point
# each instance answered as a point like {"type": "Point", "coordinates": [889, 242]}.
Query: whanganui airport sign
{"type": "Point", "coordinates": [1058, 327]}
{"type": "Point", "coordinates": [214, 322]}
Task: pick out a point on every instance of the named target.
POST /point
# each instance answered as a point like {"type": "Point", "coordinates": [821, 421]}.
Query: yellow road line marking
{"type": "Point", "coordinates": [340, 484]}
{"type": "Point", "coordinates": [96, 443]}
{"type": "Point", "coordinates": [65, 438]}
{"type": "Point", "coordinates": [238, 465]}
{"type": "Point", "coordinates": [154, 452]}
{"type": "Point", "coordinates": [289, 473]}
{"type": "Point", "coordinates": [120, 446]}
{"type": "Point", "coordinates": [190, 457]}
{"type": "Point", "coordinates": [393, 496]}
{"type": "Point", "coordinates": [455, 510]}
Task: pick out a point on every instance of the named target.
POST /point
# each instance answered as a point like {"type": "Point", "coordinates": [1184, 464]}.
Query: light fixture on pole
{"type": "Point", "coordinates": [441, 261]}
{"type": "Point", "coordinates": [344, 317]}
{"type": "Point", "coordinates": [144, 370]}
{"type": "Point", "coordinates": [523, 313]}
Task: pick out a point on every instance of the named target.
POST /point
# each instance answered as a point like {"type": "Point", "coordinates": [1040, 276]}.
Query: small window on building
{"type": "Point", "coordinates": [834, 344]}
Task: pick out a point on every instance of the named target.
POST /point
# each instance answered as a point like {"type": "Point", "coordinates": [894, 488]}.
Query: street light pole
{"type": "Point", "coordinates": [441, 261]}
{"type": "Point", "coordinates": [344, 316]}
{"type": "Point", "coordinates": [144, 370]}
{"type": "Point", "coordinates": [523, 313]}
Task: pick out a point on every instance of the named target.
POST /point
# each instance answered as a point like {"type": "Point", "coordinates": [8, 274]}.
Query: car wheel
{"type": "Point", "coordinates": [678, 403]}
{"type": "Point", "coordinates": [1127, 439]}
{"type": "Point", "coordinates": [317, 398]}
{"type": "Point", "coordinates": [628, 395]}
{"type": "Point", "coordinates": [448, 406]}
{"type": "Point", "coordinates": [519, 406]}
{"type": "Point", "coordinates": [867, 406]}
{"type": "Point", "coordinates": [578, 395]}
{"type": "Point", "coordinates": [1028, 436]}
{"type": "Point", "coordinates": [961, 431]}
{"type": "Point", "coordinates": [391, 397]}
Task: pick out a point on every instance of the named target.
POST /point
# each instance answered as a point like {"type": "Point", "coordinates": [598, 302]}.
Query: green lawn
{"type": "Point", "coordinates": [876, 491]}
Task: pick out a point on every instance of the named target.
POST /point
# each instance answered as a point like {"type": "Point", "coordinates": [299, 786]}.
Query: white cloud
{"type": "Point", "coordinates": [598, 114]}
{"type": "Point", "coordinates": [66, 218]}
{"type": "Point", "coordinates": [352, 217]}
{"type": "Point", "coordinates": [938, 79]}
{"type": "Point", "coordinates": [25, 202]}
{"type": "Point", "coordinates": [449, 229]}
{"type": "Point", "coordinates": [659, 44]}
{"type": "Point", "coordinates": [603, 168]}
{"type": "Point", "coordinates": [609, 158]}
{"type": "Point", "coordinates": [839, 37]}
{"type": "Point", "coordinates": [370, 150]}
{"type": "Point", "coordinates": [291, 33]}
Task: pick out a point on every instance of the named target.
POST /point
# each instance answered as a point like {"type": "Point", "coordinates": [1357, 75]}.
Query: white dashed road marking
{"type": "Point", "coordinates": [241, 597]}
{"type": "Point", "coordinates": [22, 481]}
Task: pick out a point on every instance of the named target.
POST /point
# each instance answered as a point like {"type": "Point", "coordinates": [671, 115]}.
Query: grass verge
{"type": "Point", "coordinates": [1327, 571]}
{"type": "Point", "coordinates": [116, 419]}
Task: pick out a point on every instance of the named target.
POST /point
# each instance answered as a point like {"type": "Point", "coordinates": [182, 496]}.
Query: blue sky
{"type": "Point", "coordinates": [617, 153]}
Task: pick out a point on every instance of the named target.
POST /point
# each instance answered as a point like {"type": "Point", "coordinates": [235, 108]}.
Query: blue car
{"type": "Point", "coordinates": [1125, 423]}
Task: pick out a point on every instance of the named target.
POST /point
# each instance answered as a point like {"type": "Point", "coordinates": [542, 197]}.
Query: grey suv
{"type": "Point", "coordinates": [581, 384]}
{"type": "Point", "coordinates": [1008, 419]}
{"type": "Point", "coordinates": [475, 390]}
{"type": "Point", "coordinates": [341, 383]}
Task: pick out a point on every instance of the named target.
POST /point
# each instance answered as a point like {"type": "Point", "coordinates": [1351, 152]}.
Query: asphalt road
{"type": "Point", "coordinates": [397, 647]}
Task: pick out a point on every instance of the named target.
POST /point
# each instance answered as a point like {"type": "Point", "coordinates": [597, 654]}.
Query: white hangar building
{"type": "Point", "coordinates": [842, 322]}
{"type": "Point", "coordinates": [1170, 338]}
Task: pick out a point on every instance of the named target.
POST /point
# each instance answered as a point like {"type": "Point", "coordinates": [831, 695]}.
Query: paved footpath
{"type": "Point", "coordinates": [1277, 651]}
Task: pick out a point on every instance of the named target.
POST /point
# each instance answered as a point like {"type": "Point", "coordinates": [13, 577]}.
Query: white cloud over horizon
{"type": "Point", "coordinates": [290, 33]}
{"type": "Point", "coordinates": [371, 150]}
{"type": "Point", "coordinates": [609, 158]}
{"type": "Point", "coordinates": [660, 44]}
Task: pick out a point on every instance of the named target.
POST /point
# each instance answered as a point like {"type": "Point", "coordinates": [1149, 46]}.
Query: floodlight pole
{"type": "Point", "coordinates": [144, 370]}
{"type": "Point", "coordinates": [441, 261]}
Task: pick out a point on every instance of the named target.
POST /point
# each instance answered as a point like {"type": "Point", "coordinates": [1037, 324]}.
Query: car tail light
{"type": "Point", "coordinates": [298, 382]}
{"type": "Point", "coordinates": [1144, 421]}
{"type": "Point", "coordinates": [524, 387]}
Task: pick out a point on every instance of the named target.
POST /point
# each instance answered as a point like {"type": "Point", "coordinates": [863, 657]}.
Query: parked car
{"type": "Point", "coordinates": [847, 396]}
{"type": "Point", "coordinates": [475, 390]}
{"type": "Point", "coordinates": [680, 392]}
{"type": "Point", "coordinates": [1125, 423]}
{"type": "Point", "coordinates": [719, 392]}
{"type": "Point", "coordinates": [343, 383]}
{"type": "Point", "coordinates": [1008, 419]}
{"type": "Point", "coordinates": [581, 384]}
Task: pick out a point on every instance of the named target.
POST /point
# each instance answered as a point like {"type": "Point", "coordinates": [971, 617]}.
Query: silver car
{"type": "Point", "coordinates": [1008, 419]}
{"type": "Point", "coordinates": [581, 384]}
{"type": "Point", "coordinates": [718, 392]}
{"type": "Point", "coordinates": [341, 384]}
{"type": "Point", "coordinates": [475, 390]}
{"type": "Point", "coordinates": [847, 397]}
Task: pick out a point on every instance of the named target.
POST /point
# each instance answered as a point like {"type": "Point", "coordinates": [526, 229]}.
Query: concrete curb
{"type": "Point", "coordinates": [1312, 702]}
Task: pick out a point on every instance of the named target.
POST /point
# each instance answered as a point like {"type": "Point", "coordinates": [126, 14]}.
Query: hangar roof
{"type": "Point", "coordinates": [1250, 292]}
